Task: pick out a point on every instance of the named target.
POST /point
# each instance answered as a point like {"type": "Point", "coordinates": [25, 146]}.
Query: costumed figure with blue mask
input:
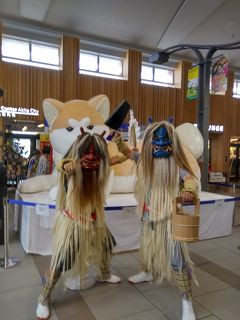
{"type": "Point", "coordinates": [164, 173]}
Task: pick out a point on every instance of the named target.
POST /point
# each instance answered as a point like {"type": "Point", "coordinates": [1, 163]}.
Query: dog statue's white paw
{"type": "Point", "coordinates": [74, 283]}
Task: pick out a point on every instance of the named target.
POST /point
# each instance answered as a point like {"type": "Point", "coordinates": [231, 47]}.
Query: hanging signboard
{"type": "Point", "coordinates": [219, 76]}
{"type": "Point", "coordinates": [192, 83]}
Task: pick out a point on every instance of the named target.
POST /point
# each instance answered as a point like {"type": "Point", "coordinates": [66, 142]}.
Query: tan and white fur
{"type": "Point", "coordinates": [65, 120]}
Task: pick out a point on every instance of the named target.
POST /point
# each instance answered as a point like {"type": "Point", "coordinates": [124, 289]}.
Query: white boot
{"type": "Point", "coordinates": [187, 310]}
{"type": "Point", "coordinates": [141, 277]}
{"type": "Point", "coordinates": [42, 311]}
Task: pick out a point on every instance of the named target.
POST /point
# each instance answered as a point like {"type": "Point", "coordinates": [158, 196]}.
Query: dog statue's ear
{"type": "Point", "coordinates": [102, 104]}
{"type": "Point", "coordinates": [51, 108]}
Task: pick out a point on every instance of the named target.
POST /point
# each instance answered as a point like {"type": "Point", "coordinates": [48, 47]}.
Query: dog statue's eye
{"type": "Point", "coordinates": [69, 129]}
{"type": "Point", "coordinates": [90, 127]}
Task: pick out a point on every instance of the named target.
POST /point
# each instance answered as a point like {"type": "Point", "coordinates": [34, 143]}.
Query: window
{"type": "Point", "coordinates": [236, 88]}
{"type": "Point", "coordinates": [30, 52]}
{"type": "Point", "coordinates": [152, 74]}
{"type": "Point", "coordinates": [97, 64]}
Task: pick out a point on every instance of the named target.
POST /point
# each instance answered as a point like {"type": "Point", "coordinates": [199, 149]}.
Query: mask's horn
{"type": "Point", "coordinates": [103, 133]}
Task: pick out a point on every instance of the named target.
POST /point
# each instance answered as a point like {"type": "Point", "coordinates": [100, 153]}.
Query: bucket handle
{"type": "Point", "coordinates": [195, 202]}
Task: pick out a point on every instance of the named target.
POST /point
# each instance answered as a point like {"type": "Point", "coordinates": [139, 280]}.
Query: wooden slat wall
{"type": "Point", "coordinates": [91, 86]}
{"type": "Point", "coordinates": [134, 60]}
{"type": "Point", "coordinates": [27, 86]}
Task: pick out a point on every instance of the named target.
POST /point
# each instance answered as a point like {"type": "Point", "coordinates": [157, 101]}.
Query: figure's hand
{"type": "Point", "coordinates": [115, 133]}
{"type": "Point", "coordinates": [112, 131]}
{"type": "Point", "coordinates": [69, 167]}
{"type": "Point", "coordinates": [111, 134]}
{"type": "Point", "coordinates": [187, 196]}
{"type": "Point", "coordinates": [190, 189]}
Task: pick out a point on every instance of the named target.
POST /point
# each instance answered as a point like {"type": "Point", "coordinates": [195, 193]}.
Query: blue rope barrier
{"type": "Point", "coordinates": [51, 206]}
{"type": "Point", "coordinates": [29, 204]}
{"type": "Point", "coordinates": [222, 184]}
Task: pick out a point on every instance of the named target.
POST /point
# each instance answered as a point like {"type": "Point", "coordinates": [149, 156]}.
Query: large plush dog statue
{"type": "Point", "coordinates": [65, 120]}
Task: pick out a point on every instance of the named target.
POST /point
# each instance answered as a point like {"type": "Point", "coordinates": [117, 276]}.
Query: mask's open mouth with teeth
{"type": "Point", "coordinates": [161, 152]}
{"type": "Point", "coordinates": [90, 161]}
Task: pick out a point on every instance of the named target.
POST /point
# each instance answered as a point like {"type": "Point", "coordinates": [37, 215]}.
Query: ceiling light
{"type": "Point", "coordinates": [41, 125]}
{"type": "Point", "coordinates": [24, 128]}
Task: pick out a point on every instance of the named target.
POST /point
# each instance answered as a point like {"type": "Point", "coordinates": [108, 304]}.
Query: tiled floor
{"type": "Point", "coordinates": [217, 297]}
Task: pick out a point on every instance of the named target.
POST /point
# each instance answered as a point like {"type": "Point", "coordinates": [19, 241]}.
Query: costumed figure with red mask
{"type": "Point", "coordinates": [163, 174]}
{"type": "Point", "coordinates": [80, 235]}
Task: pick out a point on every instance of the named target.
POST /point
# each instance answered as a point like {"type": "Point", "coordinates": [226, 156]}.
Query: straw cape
{"type": "Point", "coordinates": [158, 184]}
{"type": "Point", "coordinates": [80, 233]}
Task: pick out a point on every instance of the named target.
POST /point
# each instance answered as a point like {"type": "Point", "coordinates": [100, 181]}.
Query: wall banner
{"type": "Point", "coordinates": [219, 76]}
{"type": "Point", "coordinates": [192, 83]}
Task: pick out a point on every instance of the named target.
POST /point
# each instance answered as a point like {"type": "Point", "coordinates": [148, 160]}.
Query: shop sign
{"type": "Point", "coordinates": [215, 128]}
{"type": "Point", "coordinates": [11, 112]}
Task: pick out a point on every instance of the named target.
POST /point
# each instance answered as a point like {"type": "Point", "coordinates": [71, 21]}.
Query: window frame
{"type": "Point", "coordinates": [31, 61]}
{"type": "Point", "coordinates": [97, 72]}
{"type": "Point", "coordinates": [155, 82]}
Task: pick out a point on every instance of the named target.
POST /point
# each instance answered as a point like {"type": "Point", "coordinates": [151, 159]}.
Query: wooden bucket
{"type": "Point", "coordinates": [185, 226]}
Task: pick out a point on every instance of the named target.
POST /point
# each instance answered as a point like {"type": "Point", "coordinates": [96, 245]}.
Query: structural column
{"type": "Point", "coordinates": [70, 47]}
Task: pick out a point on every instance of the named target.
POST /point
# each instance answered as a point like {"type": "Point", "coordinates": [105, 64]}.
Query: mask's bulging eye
{"type": "Point", "coordinates": [69, 129]}
{"type": "Point", "coordinates": [90, 127]}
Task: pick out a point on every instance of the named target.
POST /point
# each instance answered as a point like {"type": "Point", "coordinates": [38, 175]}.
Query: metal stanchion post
{"type": "Point", "coordinates": [6, 233]}
{"type": "Point", "coordinates": [7, 262]}
{"type": "Point", "coordinates": [234, 210]}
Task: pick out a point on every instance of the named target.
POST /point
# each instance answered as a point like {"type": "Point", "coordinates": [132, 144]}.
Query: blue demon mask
{"type": "Point", "coordinates": [161, 143]}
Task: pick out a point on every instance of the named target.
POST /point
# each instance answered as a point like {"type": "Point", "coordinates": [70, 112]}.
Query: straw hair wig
{"type": "Point", "coordinates": [158, 184]}
{"type": "Point", "coordinates": [80, 233]}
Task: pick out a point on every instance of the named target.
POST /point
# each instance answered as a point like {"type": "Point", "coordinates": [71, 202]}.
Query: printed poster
{"type": "Point", "coordinates": [192, 83]}
{"type": "Point", "coordinates": [219, 76]}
